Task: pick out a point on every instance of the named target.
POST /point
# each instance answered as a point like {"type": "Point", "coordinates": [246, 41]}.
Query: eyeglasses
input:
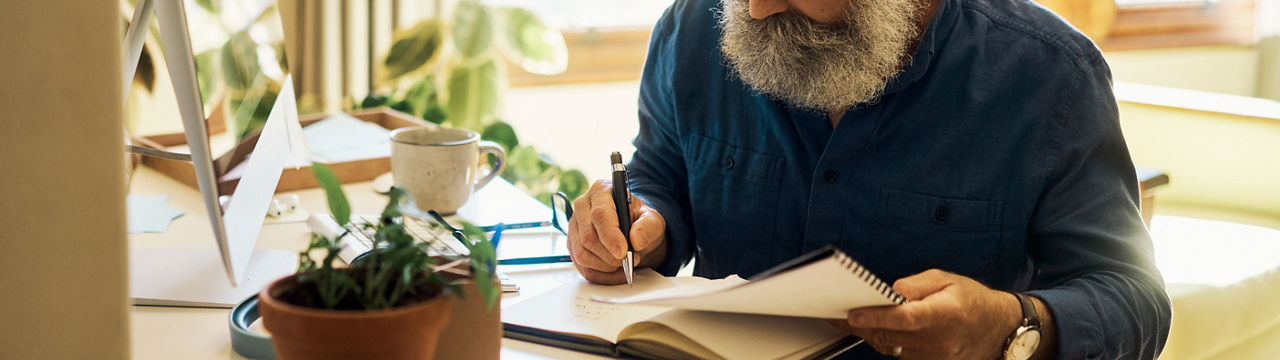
{"type": "Point", "coordinates": [561, 213]}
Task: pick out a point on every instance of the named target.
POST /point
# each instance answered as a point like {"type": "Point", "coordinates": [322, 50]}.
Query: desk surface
{"type": "Point", "coordinates": [197, 333]}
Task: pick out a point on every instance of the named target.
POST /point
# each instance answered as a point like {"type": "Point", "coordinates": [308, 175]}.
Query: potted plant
{"type": "Point", "coordinates": [391, 304]}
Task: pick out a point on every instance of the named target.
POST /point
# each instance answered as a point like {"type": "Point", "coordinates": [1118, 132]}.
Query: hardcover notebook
{"type": "Point", "coordinates": [568, 317]}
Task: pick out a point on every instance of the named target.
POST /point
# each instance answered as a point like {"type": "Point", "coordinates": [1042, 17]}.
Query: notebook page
{"type": "Point", "coordinates": [746, 336]}
{"type": "Point", "coordinates": [681, 291]}
{"type": "Point", "coordinates": [568, 308]}
{"type": "Point", "coordinates": [823, 289]}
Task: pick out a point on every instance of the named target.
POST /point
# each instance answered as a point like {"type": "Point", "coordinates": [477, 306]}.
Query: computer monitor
{"type": "Point", "coordinates": [244, 76]}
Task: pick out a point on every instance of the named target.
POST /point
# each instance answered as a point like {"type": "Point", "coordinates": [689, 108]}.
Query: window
{"type": "Point", "coordinates": [1141, 24]}
{"type": "Point", "coordinates": [607, 40]}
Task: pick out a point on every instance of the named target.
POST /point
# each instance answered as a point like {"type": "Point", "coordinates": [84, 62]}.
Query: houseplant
{"type": "Point", "coordinates": [450, 70]}
{"type": "Point", "coordinates": [392, 304]}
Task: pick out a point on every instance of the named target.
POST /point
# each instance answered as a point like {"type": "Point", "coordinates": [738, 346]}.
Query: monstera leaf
{"type": "Point", "coordinates": [472, 29]}
{"type": "Point", "coordinates": [530, 43]}
{"type": "Point", "coordinates": [413, 49]}
{"type": "Point", "coordinates": [473, 94]}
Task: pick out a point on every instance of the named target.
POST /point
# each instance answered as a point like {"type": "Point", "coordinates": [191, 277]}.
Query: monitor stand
{"type": "Point", "coordinates": [196, 278]}
{"type": "Point", "coordinates": [190, 277]}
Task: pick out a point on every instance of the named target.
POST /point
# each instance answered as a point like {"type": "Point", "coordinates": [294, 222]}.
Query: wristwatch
{"type": "Point", "coordinates": [1024, 340]}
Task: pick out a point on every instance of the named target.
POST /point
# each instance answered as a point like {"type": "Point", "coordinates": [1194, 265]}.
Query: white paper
{"type": "Point", "coordinates": [753, 336]}
{"type": "Point", "coordinates": [823, 289]}
{"type": "Point", "coordinates": [569, 309]}
{"type": "Point", "coordinates": [151, 213]}
{"type": "Point", "coordinates": [341, 137]}
{"type": "Point", "coordinates": [194, 277]}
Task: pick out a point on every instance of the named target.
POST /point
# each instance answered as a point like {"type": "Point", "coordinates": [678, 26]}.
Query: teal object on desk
{"type": "Point", "coordinates": [244, 341]}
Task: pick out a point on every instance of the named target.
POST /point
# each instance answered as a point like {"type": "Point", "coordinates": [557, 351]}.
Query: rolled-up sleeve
{"type": "Point", "coordinates": [657, 170]}
{"type": "Point", "coordinates": [1093, 257]}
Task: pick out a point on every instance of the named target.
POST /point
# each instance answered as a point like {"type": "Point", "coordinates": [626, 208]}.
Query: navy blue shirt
{"type": "Point", "coordinates": [995, 154]}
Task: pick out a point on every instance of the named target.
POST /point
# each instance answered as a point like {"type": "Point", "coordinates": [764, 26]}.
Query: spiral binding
{"type": "Point", "coordinates": [869, 278]}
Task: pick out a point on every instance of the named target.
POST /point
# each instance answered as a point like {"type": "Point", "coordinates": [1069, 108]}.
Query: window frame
{"type": "Point", "coordinates": [1181, 24]}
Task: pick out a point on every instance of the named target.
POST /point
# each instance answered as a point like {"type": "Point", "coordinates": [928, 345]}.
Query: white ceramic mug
{"type": "Point", "coordinates": [439, 167]}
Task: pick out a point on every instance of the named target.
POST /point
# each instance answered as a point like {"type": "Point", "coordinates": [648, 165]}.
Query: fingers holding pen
{"type": "Point", "coordinates": [596, 242]}
{"type": "Point", "coordinates": [585, 250]}
{"type": "Point", "coordinates": [604, 217]}
{"type": "Point", "coordinates": [649, 229]}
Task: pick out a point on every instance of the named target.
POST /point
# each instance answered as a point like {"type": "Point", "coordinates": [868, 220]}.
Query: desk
{"type": "Point", "coordinates": [199, 333]}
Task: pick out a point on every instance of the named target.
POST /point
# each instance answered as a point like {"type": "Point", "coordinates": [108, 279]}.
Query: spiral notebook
{"type": "Point", "coordinates": [688, 317]}
{"type": "Point", "coordinates": [824, 283]}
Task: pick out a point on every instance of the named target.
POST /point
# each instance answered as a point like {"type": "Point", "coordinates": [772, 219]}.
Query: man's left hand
{"type": "Point", "coordinates": [948, 316]}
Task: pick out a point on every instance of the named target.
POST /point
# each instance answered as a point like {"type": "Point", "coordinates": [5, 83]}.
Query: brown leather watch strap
{"type": "Point", "coordinates": [1029, 315]}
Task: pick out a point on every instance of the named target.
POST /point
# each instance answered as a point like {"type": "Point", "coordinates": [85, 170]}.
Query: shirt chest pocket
{"type": "Point", "coordinates": [939, 213]}
{"type": "Point", "coordinates": [734, 193]}
{"type": "Point", "coordinates": [958, 235]}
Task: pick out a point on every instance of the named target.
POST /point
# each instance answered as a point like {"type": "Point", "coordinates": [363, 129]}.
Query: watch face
{"type": "Point", "coordinates": [1024, 344]}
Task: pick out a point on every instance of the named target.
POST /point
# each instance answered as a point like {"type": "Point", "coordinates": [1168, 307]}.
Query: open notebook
{"type": "Point", "coordinates": [824, 283]}
{"type": "Point", "coordinates": [568, 317]}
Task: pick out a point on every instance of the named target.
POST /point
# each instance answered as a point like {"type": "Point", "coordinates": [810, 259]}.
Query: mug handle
{"type": "Point", "coordinates": [489, 147]}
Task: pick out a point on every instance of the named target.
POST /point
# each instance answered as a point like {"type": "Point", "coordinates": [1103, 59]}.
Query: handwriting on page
{"type": "Point", "coordinates": [587, 310]}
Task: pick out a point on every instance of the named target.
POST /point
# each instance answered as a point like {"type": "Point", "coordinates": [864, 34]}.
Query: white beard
{"type": "Point", "coordinates": [816, 66]}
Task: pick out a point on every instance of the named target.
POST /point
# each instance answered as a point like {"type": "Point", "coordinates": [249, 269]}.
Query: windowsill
{"type": "Point", "coordinates": [1203, 101]}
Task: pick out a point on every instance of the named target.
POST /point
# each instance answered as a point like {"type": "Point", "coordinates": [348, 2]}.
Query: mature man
{"type": "Point", "coordinates": [968, 150]}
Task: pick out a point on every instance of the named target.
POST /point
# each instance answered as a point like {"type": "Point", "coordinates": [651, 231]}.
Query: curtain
{"type": "Point", "coordinates": [332, 44]}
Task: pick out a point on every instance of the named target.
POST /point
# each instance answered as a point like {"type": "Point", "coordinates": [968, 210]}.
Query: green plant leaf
{"type": "Point", "coordinates": [501, 133]}
{"type": "Point", "coordinates": [484, 259]}
{"type": "Point", "coordinates": [573, 183]}
{"type": "Point", "coordinates": [213, 6]}
{"type": "Point", "coordinates": [473, 94]}
{"type": "Point", "coordinates": [333, 192]}
{"type": "Point", "coordinates": [401, 106]}
{"type": "Point", "coordinates": [421, 96]}
{"type": "Point", "coordinates": [435, 114]}
{"type": "Point", "coordinates": [522, 164]}
{"type": "Point", "coordinates": [206, 70]}
{"type": "Point", "coordinates": [249, 108]}
{"type": "Point", "coordinates": [413, 49]}
{"type": "Point", "coordinates": [395, 196]}
{"type": "Point", "coordinates": [472, 28]}
{"type": "Point", "coordinates": [529, 42]}
{"type": "Point", "coordinates": [373, 101]}
{"type": "Point", "coordinates": [240, 61]}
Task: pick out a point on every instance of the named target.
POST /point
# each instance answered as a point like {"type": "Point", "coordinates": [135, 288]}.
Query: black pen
{"type": "Point", "coordinates": [622, 201]}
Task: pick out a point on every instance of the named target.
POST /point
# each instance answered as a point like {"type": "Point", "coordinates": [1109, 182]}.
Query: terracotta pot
{"type": "Point", "coordinates": [406, 332]}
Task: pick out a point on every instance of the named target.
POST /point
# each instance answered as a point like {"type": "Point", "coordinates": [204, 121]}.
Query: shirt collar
{"type": "Point", "coordinates": [934, 36]}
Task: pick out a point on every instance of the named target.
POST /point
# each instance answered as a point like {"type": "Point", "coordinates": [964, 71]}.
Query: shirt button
{"type": "Point", "coordinates": [940, 213]}
{"type": "Point", "coordinates": [727, 163]}
{"type": "Point", "coordinates": [830, 176]}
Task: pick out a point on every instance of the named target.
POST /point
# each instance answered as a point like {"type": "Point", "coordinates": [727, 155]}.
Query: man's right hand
{"type": "Point", "coordinates": [596, 243]}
